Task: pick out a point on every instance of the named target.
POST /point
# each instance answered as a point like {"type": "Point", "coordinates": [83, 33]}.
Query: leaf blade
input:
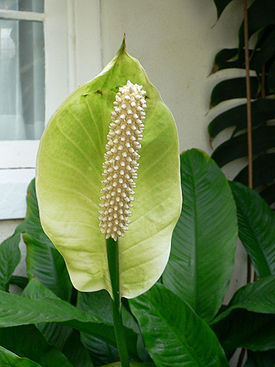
{"type": "Point", "coordinates": [203, 244]}
{"type": "Point", "coordinates": [180, 337]}
{"type": "Point", "coordinates": [256, 223]}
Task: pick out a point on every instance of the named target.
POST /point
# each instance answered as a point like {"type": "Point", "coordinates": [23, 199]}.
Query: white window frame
{"type": "Point", "coordinates": [72, 31]}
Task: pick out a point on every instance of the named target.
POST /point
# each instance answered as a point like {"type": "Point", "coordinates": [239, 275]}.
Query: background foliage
{"type": "Point", "coordinates": [261, 26]}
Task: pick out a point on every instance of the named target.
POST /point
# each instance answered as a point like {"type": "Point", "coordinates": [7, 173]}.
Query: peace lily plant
{"type": "Point", "coordinates": [108, 184]}
{"type": "Point", "coordinates": [109, 190]}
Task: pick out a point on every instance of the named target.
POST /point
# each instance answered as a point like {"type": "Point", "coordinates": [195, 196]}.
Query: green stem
{"type": "Point", "coordinates": [113, 262]}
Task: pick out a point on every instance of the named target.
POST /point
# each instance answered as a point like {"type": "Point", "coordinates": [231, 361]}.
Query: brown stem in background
{"type": "Point", "coordinates": [249, 137]}
{"type": "Point", "coordinates": [248, 97]}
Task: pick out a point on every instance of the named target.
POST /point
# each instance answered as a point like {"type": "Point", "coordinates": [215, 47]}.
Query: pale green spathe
{"type": "Point", "coordinates": [69, 175]}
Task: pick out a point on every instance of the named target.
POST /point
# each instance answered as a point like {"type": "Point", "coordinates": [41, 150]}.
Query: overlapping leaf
{"type": "Point", "coordinates": [9, 259]}
{"type": "Point", "coordinates": [43, 260]}
{"type": "Point", "coordinates": [204, 240]}
{"type": "Point", "coordinates": [9, 359]}
{"type": "Point", "coordinates": [179, 337]}
{"type": "Point", "coordinates": [256, 228]}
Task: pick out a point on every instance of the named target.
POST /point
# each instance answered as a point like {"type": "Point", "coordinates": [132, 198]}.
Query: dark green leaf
{"type": "Point", "coordinates": [261, 359]}
{"type": "Point", "coordinates": [263, 171]}
{"type": "Point", "coordinates": [221, 5]}
{"type": "Point", "coordinates": [15, 310]}
{"type": "Point", "coordinates": [99, 304]}
{"type": "Point", "coordinates": [249, 320]}
{"type": "Point", "coordinates": [180, 337]}
{"type": "Point", "coordinates": [54, 333]}
{"type": "Point", "coordinates": [267, 50]}
{"type": "Point", "coordinates": [26, 341]}
{"type": "Point", "coordinates": [32, 224]}
{"type": "Point", "coordinates": [233, 88]}
{"type": "Point", "coordinates": [236, 147]}
{"type": "Point", "coordinates": [45, 263]}
{"type": "Point", "coordinates": [260, 14]}
{"type": "Point", "coordinates": [19, 281]}
{"type": "Point", "coordinates": [43, 260]}
{"type": "Point", "coordinates": [76, 353]}
{"type": "Point", "coordinates": [9, 359]}
{"type": "Point", "coordinates": [229, 58]}
{"type": "Point", "coordinates": [246, 329]}
{"type": "Point", "coordinates": [268, 194]}
{"type": "Point", "coordinates": [256, 228]}
{"type": "Point", "coordinates": [262, 110]}
{"type": "Point", "coordinates": [255, 297]}
{"type": "Point", "coordinates": [204, 240]}
{"type": "Point", "coordinates": [9, 259]}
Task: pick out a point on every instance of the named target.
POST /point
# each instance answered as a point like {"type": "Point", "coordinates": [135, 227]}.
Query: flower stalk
{"type": "Point", "coordinates": [113, 262]}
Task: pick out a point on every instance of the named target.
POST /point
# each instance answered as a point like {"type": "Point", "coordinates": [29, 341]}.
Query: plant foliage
{"type": "Point", "coordinates": [261, 24]}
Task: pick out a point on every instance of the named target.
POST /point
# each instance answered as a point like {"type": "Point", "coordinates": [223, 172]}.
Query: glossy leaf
{"type": "Point", "coordinates": [9, 359]}
{"type": "Point", "coordinates": [233, 88]}
{"type": "Point", "coordinates": [236, 147]}
{"type": "Point", "coordinates": [46, 263]}
{"type": "Point", "coordinates": [262, 110]}
{"type": "Point", "coordinates": [241, 328]}
{"type": "Point", "coordinates": [229, 58]}
{"type": "Point", "coordinates": [204, 240]}
{"type": "Point", "coordinates": [221, 5]}
{"type": "Point", "coordinates": [263, 171]}
{"type": "Point", "coordinates": [31, 223]}
{"type": "Point", "coordinates": [179, 337]}
{"type": "Point", "coordinates": [260, 14]}
{"type": "Point", "coordinates": [258, 297]}
{"type": "Point", "coordinates": [256, 223]}
{"type": "Point", "coordinates": [15, 311]}
{"type": "Point", "coordinates": [77, 354]}
{"type": "Point", "coordinates": [253, 305]}
{"type": "Point", "coordinates": [99, 304]}
{"type": "Point", "coordinates": [43, 260]}
{"type": "Point", "coordinates": [54, 333]}
{"type": "Point", "coordinates": [261, 359]}
{"type": "Point", "coordinates": [69, 174]}
{"type": "Point", "coordinates": [9, 259]}
{"type": "Point", "coordinates": [27, 342]}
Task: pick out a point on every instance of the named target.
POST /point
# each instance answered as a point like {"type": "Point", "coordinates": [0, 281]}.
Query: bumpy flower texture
{"type": "Point", "coordinates": [120, 165]}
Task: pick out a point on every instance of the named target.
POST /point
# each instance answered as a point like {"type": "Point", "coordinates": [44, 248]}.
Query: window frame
{"type": "Point", "coordinates": [72, 38]}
